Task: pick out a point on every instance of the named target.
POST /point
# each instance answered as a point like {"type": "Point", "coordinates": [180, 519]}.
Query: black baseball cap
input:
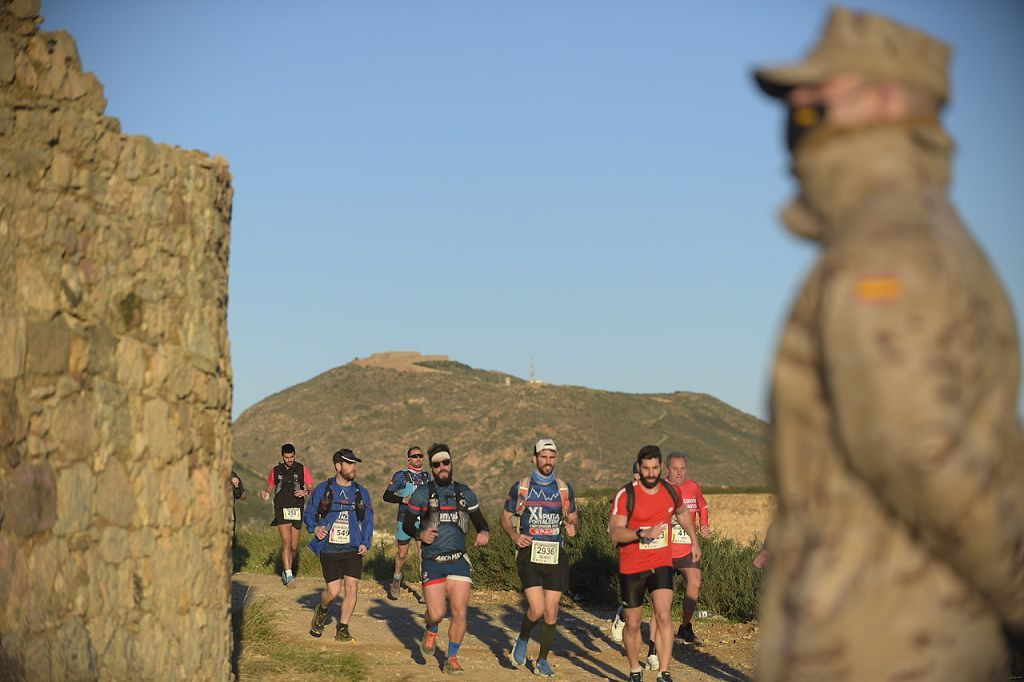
{"type": "Point", "coordinates": [346, 455]}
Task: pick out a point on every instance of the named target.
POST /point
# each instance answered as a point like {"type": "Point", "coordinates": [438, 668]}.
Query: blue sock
{"type": "Point", "coordinates": [432, 628]}
{"type": "Point", "coordinates": [453, 648]}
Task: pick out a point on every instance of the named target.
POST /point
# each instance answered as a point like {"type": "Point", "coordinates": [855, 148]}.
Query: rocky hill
{"type": "Point", "coordinates": [378, 406]}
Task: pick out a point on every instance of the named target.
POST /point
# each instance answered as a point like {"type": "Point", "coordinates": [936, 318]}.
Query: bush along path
{"type": "Point", "coordinates": [387, 635]}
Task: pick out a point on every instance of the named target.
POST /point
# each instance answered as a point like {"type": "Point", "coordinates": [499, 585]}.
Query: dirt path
{"type": "Point", "coordinates": [387, 633]}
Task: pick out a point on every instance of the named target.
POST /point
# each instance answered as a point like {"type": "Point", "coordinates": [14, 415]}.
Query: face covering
{"type": "Point", "coordinates": [801, 121]}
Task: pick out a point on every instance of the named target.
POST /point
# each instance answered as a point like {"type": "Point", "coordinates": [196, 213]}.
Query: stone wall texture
{"type": "Point", "coordinates": [115, 383]}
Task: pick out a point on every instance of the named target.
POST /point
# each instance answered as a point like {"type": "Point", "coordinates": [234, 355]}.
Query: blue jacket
{"type": "Point", "coordinates": [341, 515]}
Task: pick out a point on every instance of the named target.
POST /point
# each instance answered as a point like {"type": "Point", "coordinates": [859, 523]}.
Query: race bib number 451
{"type": "Point", "coordinates": [543, 552]}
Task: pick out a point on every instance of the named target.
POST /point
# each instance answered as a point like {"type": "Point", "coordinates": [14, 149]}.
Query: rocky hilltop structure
{"type": "Point", "coordinates": [115, 383]}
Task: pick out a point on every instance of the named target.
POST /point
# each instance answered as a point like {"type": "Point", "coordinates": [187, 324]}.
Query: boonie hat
{"type": "Point", "coordinates": [346, 455]}
{"type": "Point", "coordinates": [544, 444]}
{"type": "Point", "coordinates": [867, 44]}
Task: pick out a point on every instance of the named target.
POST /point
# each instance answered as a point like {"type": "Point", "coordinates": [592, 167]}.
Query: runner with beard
{"type": "Point", "coordinates": [640, 521]}
{"type": "Point", "coordinates": [290, 483]}
{"type": "Point", "coordinates": [439, 516]}
{"type": "Point", "coordinates": [543, 503]}
{"type": "Point", "coordinates": [340, 517]}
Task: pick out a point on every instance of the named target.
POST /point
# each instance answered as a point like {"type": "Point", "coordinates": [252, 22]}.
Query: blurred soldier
{"type": "Point", "coordinates": [546, 507]}
{"type": "Point", "coordinates": [898, 548]}
{"type": "Point", "coordinates": [402, 485]}
{"type": "Point", "coordinates": [289, 483]}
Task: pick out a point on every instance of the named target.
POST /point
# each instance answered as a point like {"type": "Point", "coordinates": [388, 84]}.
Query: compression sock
{"type": "Point", "coordinates": [453, 648]}
{"type": "Point", "coordinates": [433, 628]}
{"type": "Point", "coordinates": [547, 638]}
{"type": "Point", "coordinates": [527, 628]}
{"type": "Point", "coordinates": [651, 649]}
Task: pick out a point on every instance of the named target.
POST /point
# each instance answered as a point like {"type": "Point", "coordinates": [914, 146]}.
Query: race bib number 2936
{"type": "Point", "coordinates": [543, 552]}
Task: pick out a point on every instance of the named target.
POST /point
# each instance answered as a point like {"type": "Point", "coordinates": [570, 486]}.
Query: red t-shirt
{"type": "Point", "coordinates": [648, 510]}
{"type": "Point", "coordinates": [691, 495]}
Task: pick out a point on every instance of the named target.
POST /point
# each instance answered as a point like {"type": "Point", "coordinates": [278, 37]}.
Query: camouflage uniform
{"type": "Point", "coordinates": [897, 552]}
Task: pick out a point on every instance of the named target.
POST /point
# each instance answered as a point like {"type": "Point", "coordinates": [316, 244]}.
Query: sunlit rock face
{"type": "Point", "coordinates": [115, 383]}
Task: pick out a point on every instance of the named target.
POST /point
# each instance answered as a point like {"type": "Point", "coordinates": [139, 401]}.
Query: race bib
{"type": "Point", "coordinates": [680, 536]}
{"type": "Point", "coordinates": [340, 532]}
{"type": "Point", "coordinates": [543, 552]}
{"type": "Point", "coordinates": [655, 543]}
{"type": "Point", "coordinates": [291, 513]}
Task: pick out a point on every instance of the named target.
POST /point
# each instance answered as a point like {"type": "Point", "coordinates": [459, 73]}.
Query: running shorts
{"type": "Point", "coordinates": [633, 585]}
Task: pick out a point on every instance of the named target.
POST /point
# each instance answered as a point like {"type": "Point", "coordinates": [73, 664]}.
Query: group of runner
{"type": "Point", "coordinates": [653, 521]}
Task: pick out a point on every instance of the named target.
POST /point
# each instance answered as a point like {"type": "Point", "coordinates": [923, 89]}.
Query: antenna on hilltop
{"type": "Point", "coordinates": [533, 378]}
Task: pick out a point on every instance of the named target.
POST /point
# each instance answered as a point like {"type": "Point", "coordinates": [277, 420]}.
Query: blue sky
{"type": "Point", "coordinates": [593, 184]}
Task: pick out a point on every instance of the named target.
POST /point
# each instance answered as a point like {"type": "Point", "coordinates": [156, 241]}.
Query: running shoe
{"type": "Point", "coordinates": [316, 628]}
{"type": "Point", "coordinates": [519, 653]}
{"type": "Point", "coordinates": [452, 666]}
{"type": "Point", "coordinates": [637, 676]}
{"type": "Point", "coordinates": [394, 590]}
{"type": "Point", "coordinates": [287, 579]}
{"type": "Point", "coordinates": [342, 634]}
{"type": "Point", "coordinates": [653, 663]}
{"type": "Point", "coordinates": [665, 677]}
{"type": "Point", "coordinates": [617, 625]}
{"type": "Point", "coordinates": [685, 634]}
{"type": "Point", "coordinates": [428, 642]}
{"type": "Point", "coordinates": [543, 668]}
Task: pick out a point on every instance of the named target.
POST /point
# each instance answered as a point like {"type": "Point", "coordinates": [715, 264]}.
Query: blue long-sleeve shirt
{"type": "Point", "coordinates": [344, 530]}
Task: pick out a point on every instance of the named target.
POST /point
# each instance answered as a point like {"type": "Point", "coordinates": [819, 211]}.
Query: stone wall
{"type": "Point", "coordinates": [115, 383]}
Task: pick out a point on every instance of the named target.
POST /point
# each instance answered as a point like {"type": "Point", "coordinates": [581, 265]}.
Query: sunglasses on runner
{"type": "Point", "coordinates": [416, 455]}
{"type": "Point", "coordinates": [438, 463]}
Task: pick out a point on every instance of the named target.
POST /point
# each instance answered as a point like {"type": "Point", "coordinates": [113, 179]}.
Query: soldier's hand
{"type": "Point", "coordinates": [320, 532]}
{"type": "Point", "coordinates": [523, 540]}
{"type": "Point", "coordinates": [428, 536]}
{"type": "Point", "coordinates": [482, 538]}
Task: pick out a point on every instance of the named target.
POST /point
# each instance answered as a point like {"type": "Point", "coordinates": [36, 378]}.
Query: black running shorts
{"type": "Point", "coordinates": [338, 564]}
{"type": "Point", "coordinates": [553, 577]}
{"type": "Point", "coordinates": [686, 562]}
{"type": "Point", "coordinates": [633, 585]}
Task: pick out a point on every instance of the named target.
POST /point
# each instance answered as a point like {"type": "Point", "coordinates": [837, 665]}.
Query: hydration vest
{"type": "Point", "coordinates": [434, 506]}
{"type": "Point", "coordinates": [327, 502]}
{"type": "Point", "coordinates": [282, 474]}
{"type": "Point", "coordinates": [524, 491]}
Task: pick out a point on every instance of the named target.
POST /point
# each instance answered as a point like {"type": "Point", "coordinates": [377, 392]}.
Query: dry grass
{"type": "Point", "coordinates": [741, 516]}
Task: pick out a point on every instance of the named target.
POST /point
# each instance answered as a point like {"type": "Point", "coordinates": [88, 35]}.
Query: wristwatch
{"type": "Point", "coordinates": [639, 533]}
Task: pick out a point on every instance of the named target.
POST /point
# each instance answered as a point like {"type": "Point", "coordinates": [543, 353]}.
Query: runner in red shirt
{"type": "Point", "coordinates": [645, 556]}
{"type": "Point", "coordinates": [682, 544]}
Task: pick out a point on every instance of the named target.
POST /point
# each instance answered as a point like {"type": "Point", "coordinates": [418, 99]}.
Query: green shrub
{"type": "Point", "coordinates": [257, 549]}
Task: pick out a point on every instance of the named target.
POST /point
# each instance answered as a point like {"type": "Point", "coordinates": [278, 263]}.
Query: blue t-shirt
{"type": "Point", "coordinates": [542, 516]}
{"type": "Point", "coordinates": [403, 483]}
{"type": "Point", "coordinates": [450, 538]}
{"type": "Point", "coordinates": [344, 530]}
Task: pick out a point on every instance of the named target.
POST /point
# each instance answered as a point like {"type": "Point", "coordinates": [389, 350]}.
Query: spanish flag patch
{"type": "Point", "coordinates": [879, 288]}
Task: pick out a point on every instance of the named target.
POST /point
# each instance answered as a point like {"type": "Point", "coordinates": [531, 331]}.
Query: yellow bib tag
{"type": "Point", "coordinates": [544, 552]}
{"type": "Point", "coordinates": [655, 543]}
{"type": "Point", "coordinates": [680, 536]}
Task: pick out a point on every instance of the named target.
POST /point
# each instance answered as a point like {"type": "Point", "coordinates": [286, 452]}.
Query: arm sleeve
{"type": "Point", "coordinates": [409, 524]}
{"type": "Point", "coordinates": [477, 517]}
{"type": "Point", "coordinates": [396, 484]}
{"type": "Point", "coordinates": [900, 355]}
